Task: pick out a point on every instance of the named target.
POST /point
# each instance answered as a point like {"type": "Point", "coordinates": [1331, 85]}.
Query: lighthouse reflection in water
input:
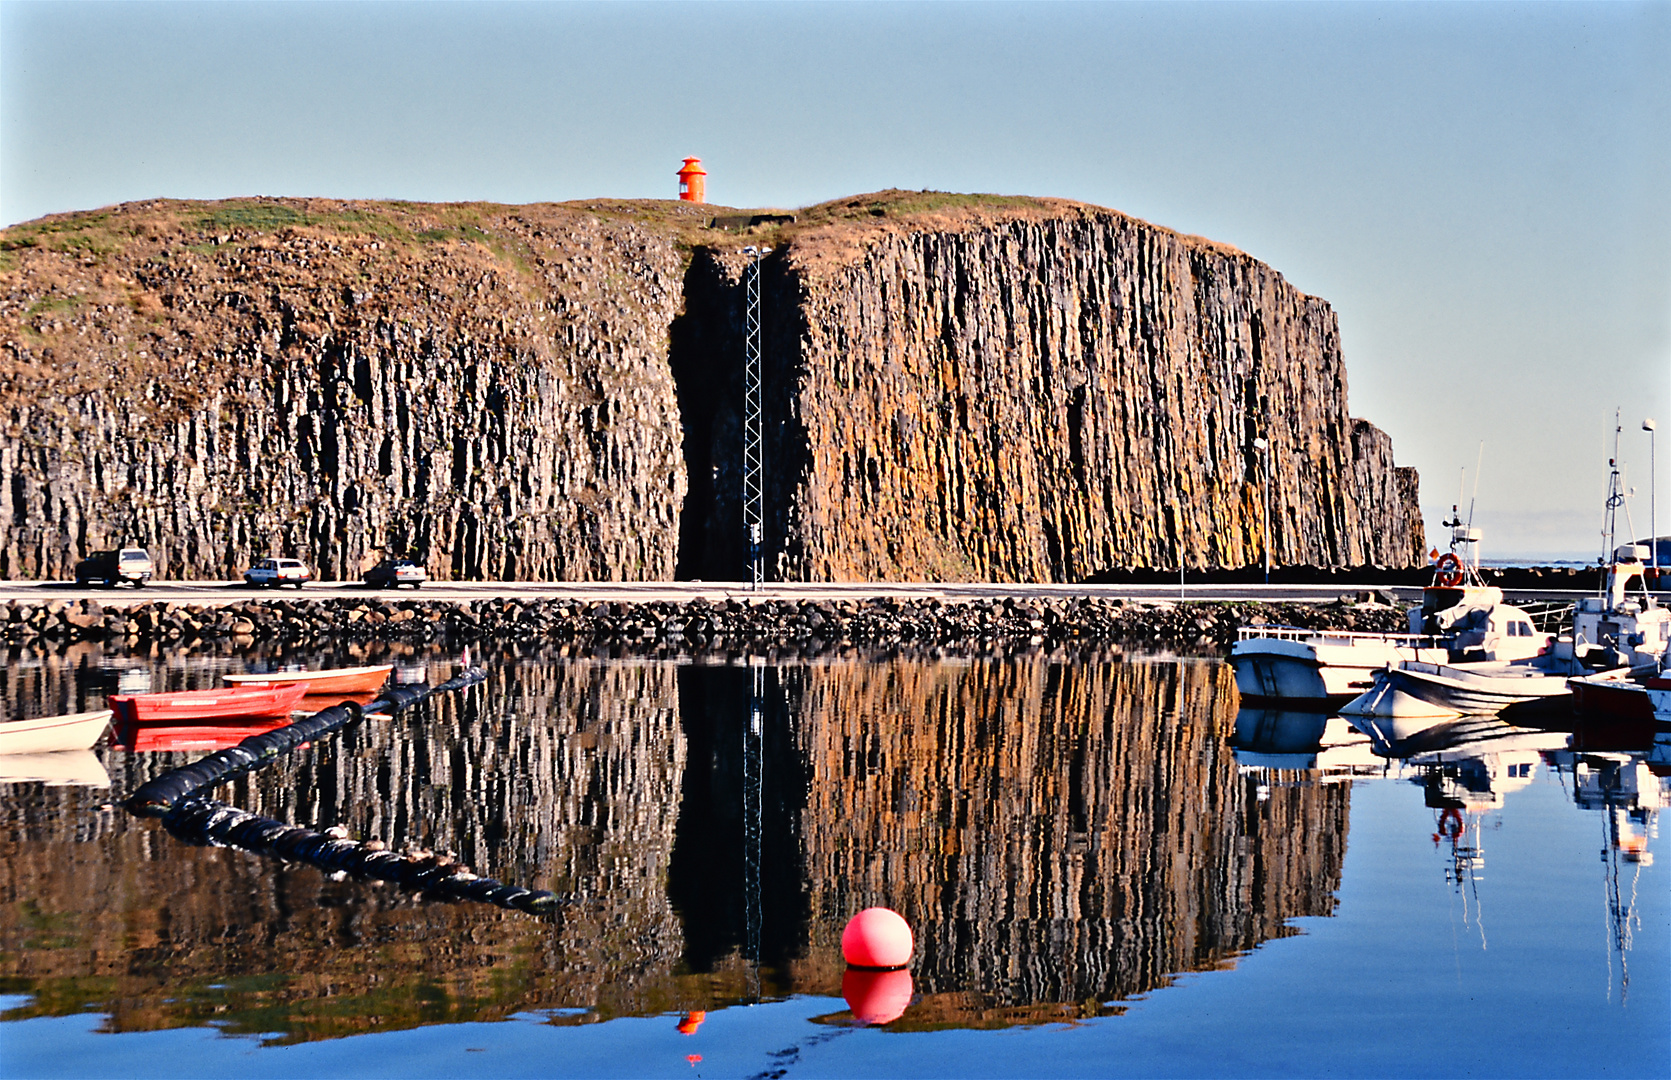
{"type": "Point", "coordinates": [1101, 859]}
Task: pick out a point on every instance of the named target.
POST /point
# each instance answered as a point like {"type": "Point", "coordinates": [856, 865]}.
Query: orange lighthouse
{"type": "Point", "coordinates": [693, 181]}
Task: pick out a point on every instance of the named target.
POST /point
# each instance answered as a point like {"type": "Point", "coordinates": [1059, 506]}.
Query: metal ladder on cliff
{"type": "Point", "coordinates": [754, 464]}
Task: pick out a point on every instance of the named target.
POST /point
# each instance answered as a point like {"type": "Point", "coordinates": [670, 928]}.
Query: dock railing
{"type": "Point", "coordinates": [1301, 633]}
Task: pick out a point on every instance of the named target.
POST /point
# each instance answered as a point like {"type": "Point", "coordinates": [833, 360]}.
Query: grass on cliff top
{"type": "Point", "coordinates": [105, 231]}
{"type": "Point", "coordinates": [88, 233]}
{"type": "Point", "coordinates": [896, 204]}
{"type": "Point", "coordinates": [202, 226]}
{"type": "Point", "coordinates": [108, 231]}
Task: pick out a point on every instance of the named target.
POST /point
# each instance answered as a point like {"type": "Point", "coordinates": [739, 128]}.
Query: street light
{"type": "Point", "coordinates": [1653, 490]}
{"type": "Point", "coordinates": [1264, 449]}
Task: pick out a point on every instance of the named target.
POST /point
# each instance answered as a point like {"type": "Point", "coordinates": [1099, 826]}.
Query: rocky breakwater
{"type": "Point", "coordinates": [484, 386]}
{"type": "Point", "coordinates": [973, 388]}
{"type": "Point", "coordinates": [668, 627]}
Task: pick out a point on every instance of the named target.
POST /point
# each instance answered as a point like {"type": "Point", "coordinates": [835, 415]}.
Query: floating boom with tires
{"type": "Point", "coordinates": [176, 797]}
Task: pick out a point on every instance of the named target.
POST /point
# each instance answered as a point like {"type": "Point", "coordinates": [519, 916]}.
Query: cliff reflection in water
{"type": "Point", "coordinates": [1062, 833]}
{"type": "Point", "coordinates": [1059, 834]}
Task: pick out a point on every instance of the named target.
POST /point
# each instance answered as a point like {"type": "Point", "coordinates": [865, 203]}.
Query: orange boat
{"type": "Point", "coordinates": [233, 703]}
{"type": "Point", "coordinates": [351, 680]}
{"type": "Point", "coordinates": [150, 738]}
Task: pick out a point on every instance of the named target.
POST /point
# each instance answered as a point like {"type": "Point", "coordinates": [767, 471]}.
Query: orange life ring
{"type": "Point", "coordinates": [1447, 572]}
{"type": "Point", "coordinates": [1450, 824]}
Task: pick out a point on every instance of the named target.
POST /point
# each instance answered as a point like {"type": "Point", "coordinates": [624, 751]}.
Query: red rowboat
{"type": "Point", "coordinates": [353, 680]}
{"type": "Point", "coordinates": [154, 737]}
{"type": "Point", "coordinates": [235, 703]}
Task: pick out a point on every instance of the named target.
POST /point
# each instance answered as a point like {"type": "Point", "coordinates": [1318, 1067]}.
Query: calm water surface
{"type": "Point", "coordinates": [1109, 868]}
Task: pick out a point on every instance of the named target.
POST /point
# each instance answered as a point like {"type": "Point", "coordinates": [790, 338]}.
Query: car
{"type": "Point", "coordinates": [271, 573]}
{"type": "Point", "coordinates": [131, 564]}
{"type": "Point", "coordinates": [395, 572]}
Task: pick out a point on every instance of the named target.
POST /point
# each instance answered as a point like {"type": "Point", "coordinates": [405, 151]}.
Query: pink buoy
{"type": "Point", "coordinates": [877, 938]}
{"type": "Point", "coordinates": [876, 997]}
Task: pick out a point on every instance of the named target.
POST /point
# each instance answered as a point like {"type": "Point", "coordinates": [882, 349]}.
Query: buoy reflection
{"type": "Point", "coordinates": [877, 997]}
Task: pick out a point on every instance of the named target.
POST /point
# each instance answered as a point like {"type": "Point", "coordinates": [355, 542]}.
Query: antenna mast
{"type": "Point", "coordinates": [1479, 463]}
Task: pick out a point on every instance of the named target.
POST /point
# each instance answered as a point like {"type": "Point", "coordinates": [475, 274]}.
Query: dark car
{"type": "Point", "coordinates": [114, 567]}
{"type": "Point", "coordinates": [392, 573]}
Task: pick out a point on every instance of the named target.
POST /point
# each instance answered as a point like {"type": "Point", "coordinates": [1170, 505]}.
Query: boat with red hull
{"type": "Point", "coordinates": [233, 703]}
{"type": "Point", "coordinates": [1650, 700]}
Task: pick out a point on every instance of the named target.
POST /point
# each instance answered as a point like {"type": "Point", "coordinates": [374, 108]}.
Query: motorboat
{"type": "Point", "coordinates": [1459, 615]}
{"type": "Point", "coordinates": [1615, 699]}
{"type": "Point", "coordinates": [1415, 688]}
{"type": "Point", "coordinates": [1614, 635]}
{"type": "Point", "coordinates": [355, 680]}
{"type": "Point", "coordinates": [228, 703]}
{"type": "Point", "coordinates": [1321, 669]}
{"type": "Point", "coordinates": [52, 734]}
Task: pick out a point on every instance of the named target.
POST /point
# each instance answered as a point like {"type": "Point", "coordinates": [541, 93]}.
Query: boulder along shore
{"type": "Point", "coordinates": [669, 626]}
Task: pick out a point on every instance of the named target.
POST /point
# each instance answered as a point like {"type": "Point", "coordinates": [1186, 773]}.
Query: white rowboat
{"type": "Point", "coordinates": [49, 734]}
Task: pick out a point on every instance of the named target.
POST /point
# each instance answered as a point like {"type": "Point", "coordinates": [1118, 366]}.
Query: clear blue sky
{"type": "Point", "coordinates": [1482, 191]}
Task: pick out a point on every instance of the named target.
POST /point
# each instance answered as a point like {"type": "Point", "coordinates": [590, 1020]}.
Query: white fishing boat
{"type": "Point", "coordinates": [1614, 636]}
{"type": "Point", "coordinates": [1418, 689]}
{"type": "Point", "coordinates": [1459, 614]}
{"type": "Point", "coordinates": [49, 734]}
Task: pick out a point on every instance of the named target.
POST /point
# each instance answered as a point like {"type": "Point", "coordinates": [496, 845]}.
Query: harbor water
{"type": "Point", "coordinates": [1109, 868]}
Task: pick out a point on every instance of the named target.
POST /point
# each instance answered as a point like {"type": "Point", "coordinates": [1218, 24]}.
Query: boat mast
{"type": "Point", "coordinates": [1615, 498]}
{"type": "Point", "coordinates": [1466, 536]}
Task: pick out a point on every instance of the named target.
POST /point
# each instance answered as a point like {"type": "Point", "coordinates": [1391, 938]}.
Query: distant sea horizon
{"type": "Point", "coordinates": [1566, 558]}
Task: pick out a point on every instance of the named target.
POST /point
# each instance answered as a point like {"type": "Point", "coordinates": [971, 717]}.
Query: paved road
{"type": "Point", "coordinates": [225, 592]}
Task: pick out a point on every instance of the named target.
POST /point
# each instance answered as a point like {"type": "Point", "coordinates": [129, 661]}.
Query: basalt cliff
{"type": "Point", "coordinates": [955, 388]}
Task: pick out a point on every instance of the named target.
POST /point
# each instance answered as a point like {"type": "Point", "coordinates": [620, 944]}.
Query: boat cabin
{"type": "Point", "coordinates": [1499, 632]}
{"type": "Point", "coordinates": [1634, 626]}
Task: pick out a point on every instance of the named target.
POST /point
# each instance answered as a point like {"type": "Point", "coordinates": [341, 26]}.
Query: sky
{"type": "Point", "coordinates": [1481, 191]}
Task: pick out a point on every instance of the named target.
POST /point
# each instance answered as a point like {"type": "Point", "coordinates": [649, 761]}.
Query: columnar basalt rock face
{"type": "Point", "coordinates": [1055, 390]}
{"type": "Point", "coordinates": [485, 386]}
{"type": "Point", "coordinates": [1004, 389]}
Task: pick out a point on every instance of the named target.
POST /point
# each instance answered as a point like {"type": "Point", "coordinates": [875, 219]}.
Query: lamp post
{"type": "Point", "coordinates": [1264, 449]}
{"type": "Point", "coordinates": [1653, 490]}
